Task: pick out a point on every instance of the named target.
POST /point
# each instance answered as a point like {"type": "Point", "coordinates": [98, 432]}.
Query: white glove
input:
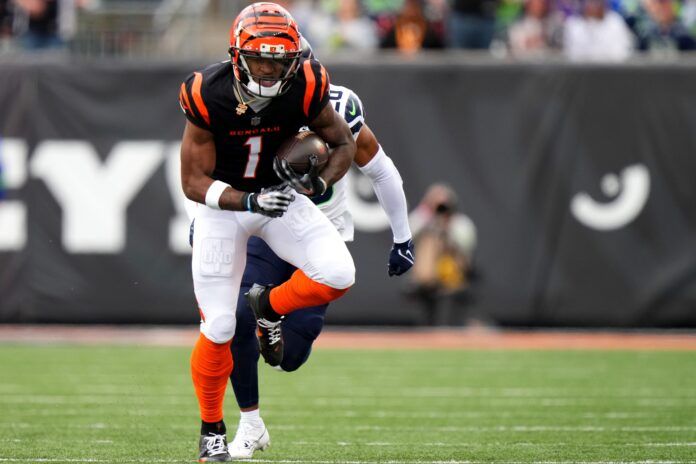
{"type": "Point", "coordinates": [272, 201]}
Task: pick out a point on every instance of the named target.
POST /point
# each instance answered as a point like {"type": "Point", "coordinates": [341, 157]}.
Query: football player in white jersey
{"type": "Point", "coordinates": [301, 328]}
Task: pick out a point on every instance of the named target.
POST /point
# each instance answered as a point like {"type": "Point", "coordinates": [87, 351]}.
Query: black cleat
{"type": "Point", "coordinates": [213, 448]}
{"type": "Point", "coordinates": [269, 333]}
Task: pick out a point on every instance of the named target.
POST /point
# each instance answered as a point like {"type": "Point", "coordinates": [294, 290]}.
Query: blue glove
{"type": "Point", "coordinates": [401, 258]}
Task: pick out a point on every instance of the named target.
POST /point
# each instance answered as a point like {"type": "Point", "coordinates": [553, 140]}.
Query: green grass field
{"type": "Point", "coordinates": [136, 404]}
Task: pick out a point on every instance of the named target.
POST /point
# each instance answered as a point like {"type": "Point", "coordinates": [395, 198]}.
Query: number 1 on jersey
{"type": "Point", "coordinates": [254, 144]}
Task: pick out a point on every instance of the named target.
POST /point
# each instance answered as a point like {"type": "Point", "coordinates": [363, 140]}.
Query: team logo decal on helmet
{"type": "Point", "coordinates": [265, 31]}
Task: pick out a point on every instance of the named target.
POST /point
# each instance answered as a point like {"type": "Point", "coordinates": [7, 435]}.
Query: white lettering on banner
{"type": "Point", "coordinates": [94, 195]}
{"type": "Point", "coordinates": [13, 213]}
{"type": "Point", "coordinates": [630, 193]}
{"type": "Point", "coordinates": [368, 216]}
{"type": "Point", "coordinates": [179, 225]}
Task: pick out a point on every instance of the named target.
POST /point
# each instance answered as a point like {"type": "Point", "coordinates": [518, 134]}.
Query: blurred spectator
{"type": "Point", "coordinates": [345, 28]}
{"type": "Point", "coordinates": [382, 7]}
{"type": "Point", "coordinates": [5, 19]}
{"type": "Point", "coordinates": [472, 23]}
{"type": "Point", "coordinates": [45, 24]}
{"type": "Point", "coordinates": [689, 15]}
{"type": "Point", "coordinates": [661, 31]}
{"type": "Point", "coordinates": [412, 31]}
{"type": "Point", "coordinates": [538, 31]}
{"type": "Point", "coordinates": [39, 24]}
{"type": "Point", "coordinates": [598, 34]}
{"type": "Point", "coordinates": [628, 8]}
{"type": "Point", "coordinates": [437, 12]}
{"type": "Point", "coordinates": [304, 12]}
{"type": "Point", "coordinates": [444, 241]}
{"type": "Point", "coordinates": [567, 7]}
{"type": "Point", "coordinates": [508, 12]}
{"type": "Point", "coordinates": [353, 30]}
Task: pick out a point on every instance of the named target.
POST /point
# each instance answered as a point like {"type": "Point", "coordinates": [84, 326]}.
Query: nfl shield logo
{"type": "Point", "coordinates": [255, 121]}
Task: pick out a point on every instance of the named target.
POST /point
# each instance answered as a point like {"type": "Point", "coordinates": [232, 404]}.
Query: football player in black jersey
{"type": "Point", "coordinates": [239, 112]}
{"type": "Point", "coordinates": [301, 328]}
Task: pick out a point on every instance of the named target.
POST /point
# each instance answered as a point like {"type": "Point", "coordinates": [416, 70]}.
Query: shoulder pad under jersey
{"type": "Point", "coordinates": [348, 105]}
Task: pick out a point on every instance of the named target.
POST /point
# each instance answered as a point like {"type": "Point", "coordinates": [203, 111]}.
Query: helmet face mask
{"type": "Point", "coordinates": [279, 71]}
{"type": "Point", "coordinates": [265, 49]}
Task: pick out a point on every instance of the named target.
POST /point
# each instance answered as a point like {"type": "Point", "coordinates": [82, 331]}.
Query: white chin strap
{"type": "Point", "coordinates": [260, 90]}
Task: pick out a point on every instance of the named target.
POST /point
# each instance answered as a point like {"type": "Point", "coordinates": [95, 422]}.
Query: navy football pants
{"type": "Point", "coordinates": [300, 328]}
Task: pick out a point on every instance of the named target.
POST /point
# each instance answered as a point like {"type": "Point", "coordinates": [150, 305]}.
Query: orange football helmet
{"type": "Point", "coordinates": [265, 30]}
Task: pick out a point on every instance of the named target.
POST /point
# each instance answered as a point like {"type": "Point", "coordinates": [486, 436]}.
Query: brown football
{"type": "Point", "coordinates": [300, 147]}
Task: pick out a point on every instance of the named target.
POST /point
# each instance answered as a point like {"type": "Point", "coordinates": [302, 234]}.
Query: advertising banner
{"type": "Point", "coordinates": [580, 182]}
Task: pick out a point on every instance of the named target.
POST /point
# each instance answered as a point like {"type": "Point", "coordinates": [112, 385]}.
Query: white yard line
{"type": "Point", "coordinates": [488, 402]}
{"type": "Point", "coordinates": [536, 428]}
{"type": "Point", "coordinates": [304, 461]}
{"type": "Point", "coordinates": [166, 410]}
{"type": "Point", "coordinates": [436, 444]}
{"type": "Point", "coordinates": [386, 428]}
{"type": "Point", "coordinates": [491, 444]}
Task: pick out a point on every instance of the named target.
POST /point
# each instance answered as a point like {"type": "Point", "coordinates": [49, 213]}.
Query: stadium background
{"type": "Point", "coordinates": [578, 177]}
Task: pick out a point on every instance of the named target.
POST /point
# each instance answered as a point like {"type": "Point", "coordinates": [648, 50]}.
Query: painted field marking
{"type": "Point", "coordinates": [434, 444]}
{"type": "Point", "coordinates": [499, 428]}
{"type": "Point", "coordinates": [166, 410]}
{"type": "Point", "coordinates": [490, 444]}
{"type": "Point", "coordinates": [291, 461]}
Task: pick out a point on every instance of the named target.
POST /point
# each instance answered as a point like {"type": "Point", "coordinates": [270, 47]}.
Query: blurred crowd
{"type": "Point", "coordinates": [589, 30]}
{"type": "Point", "coordinates": [39, 24]}
{"type": "Point", "coordinates": [601, 30]}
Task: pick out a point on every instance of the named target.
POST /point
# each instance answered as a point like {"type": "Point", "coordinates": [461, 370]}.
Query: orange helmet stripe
{"type": "Point", "coordinates": [262, 21]}
{"type": "Point", "coordinates": [311, 84]}
{"type": "Point", "coordinates": [266, 19]}
{"type": "Point", "coordinates": [197, 98]}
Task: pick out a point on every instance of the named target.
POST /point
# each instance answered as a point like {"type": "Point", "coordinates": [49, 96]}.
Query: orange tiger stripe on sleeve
{"type": "Point", "coordinates": [184, 99]}
{"type": "Point", "coordinates": [311, 84]}
{"type": "Point", "coordinates": [197, 98]}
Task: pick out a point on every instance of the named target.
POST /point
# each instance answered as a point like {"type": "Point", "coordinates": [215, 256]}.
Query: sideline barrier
{"type": "Point", "coordinates": [580, 180]}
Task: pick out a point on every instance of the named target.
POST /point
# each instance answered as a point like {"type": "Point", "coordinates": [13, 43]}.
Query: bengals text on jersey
{"type": "Point", "coordinates": [246, 143]}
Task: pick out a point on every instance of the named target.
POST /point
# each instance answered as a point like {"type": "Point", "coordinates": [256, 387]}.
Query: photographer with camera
{"type": "Point", "coordinates": [445, 240]}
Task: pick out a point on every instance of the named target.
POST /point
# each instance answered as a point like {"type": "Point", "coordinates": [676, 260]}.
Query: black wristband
{"type": "Point", "coordinates": [246, 202]}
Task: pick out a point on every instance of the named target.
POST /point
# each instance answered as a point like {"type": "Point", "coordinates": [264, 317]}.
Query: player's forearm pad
{"type": "Point", "coordinates": [388, 186]}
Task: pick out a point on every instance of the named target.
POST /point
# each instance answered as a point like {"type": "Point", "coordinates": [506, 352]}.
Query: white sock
{"type": "Point", "coordinates": [251, 417]}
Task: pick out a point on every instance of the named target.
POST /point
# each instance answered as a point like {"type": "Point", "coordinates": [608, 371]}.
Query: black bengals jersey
{"type": "Point", "coordinates": [246, 142]}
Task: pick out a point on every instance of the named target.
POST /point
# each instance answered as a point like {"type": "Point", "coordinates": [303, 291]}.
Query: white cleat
{"type": "Point", "coordinates": [249, 438]}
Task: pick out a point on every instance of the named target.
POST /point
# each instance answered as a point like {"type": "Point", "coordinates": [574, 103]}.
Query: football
{"type": "Point", "coordinates": [298, 149]}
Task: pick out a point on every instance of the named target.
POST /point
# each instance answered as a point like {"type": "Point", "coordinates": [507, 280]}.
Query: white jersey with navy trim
{"type": "Point", "coordinates": [334, 203]}
{"type": "Point", "coordinates": [348, 104]}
